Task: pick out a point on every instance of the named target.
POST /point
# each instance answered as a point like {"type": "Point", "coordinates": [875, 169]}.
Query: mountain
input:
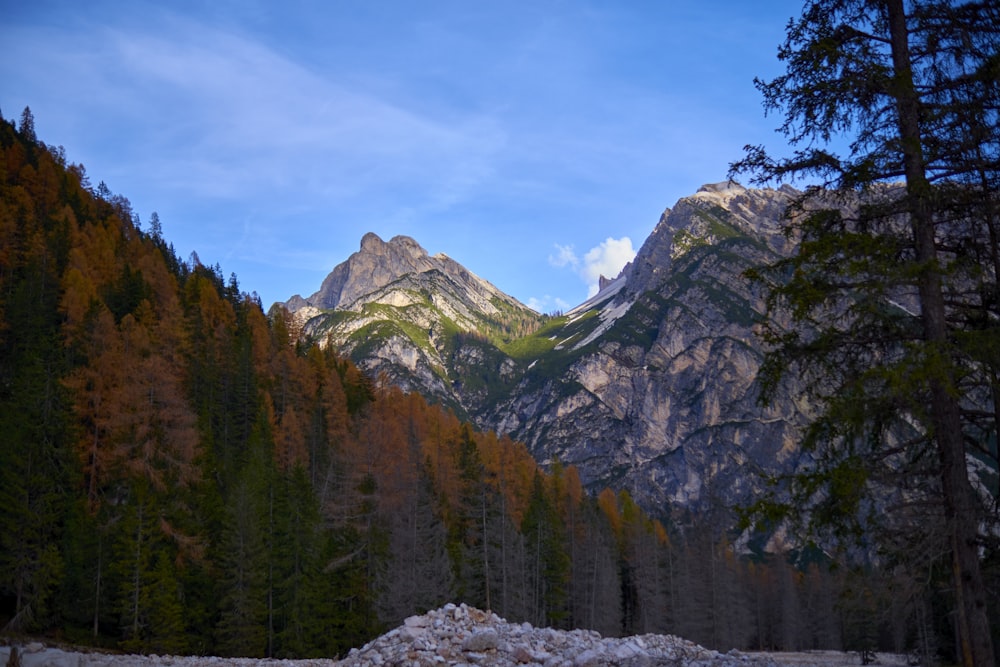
{"type": "Point", "coordinates": [648, 386]}
{"type": "Point", "coordinates": [406, 315]}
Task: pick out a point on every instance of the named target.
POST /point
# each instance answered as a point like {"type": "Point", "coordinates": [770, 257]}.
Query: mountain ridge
{"type": "Point", "coordinates": [649, 385]}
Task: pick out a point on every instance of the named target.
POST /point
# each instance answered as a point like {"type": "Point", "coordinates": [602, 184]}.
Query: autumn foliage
{"type": "Point", "coordinates": [179, 473]}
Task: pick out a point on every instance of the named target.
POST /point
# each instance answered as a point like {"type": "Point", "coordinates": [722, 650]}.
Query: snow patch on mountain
{"type": "Point", "coordinates": [609, 290]}
{"type": "Point", "coordinates": [609, 313]}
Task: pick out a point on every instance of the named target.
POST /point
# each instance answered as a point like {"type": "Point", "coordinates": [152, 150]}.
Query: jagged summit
{"type": "Point", "coordinates": [373, 266]}
{"type": "Point", "coordinates": [717, 211]}
{"type": "Point", "coordinates": [379, 264]}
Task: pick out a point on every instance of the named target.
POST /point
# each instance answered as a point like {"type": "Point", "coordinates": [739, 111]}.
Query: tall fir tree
{"type": "Point", "coordinates": [879, 289]}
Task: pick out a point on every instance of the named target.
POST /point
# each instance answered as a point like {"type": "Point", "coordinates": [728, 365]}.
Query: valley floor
{"type": "Point", "coordinates": [455, 635]}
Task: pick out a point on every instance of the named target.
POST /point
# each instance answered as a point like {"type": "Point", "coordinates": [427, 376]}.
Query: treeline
{"type": "Point", "coordinates": [180, 474]}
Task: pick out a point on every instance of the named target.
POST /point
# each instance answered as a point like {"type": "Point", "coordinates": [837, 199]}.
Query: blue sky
{"type": "Point", "coordinates": [535, 142]}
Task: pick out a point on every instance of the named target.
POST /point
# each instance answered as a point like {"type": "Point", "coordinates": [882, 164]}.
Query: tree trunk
{"type": "Point", "coordinates": [946, 426]}
{"type": "Point", "coordinates": [97, 585]}
{"type": "Point", "coordinates": [136, 575]}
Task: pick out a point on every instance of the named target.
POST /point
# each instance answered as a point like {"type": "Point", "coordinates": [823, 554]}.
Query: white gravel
{"type": "Point", "coordinates": [461, 635]}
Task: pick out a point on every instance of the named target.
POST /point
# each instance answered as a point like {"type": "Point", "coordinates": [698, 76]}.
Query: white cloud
{"type": "Point", "coordinates": [564, 257]}
{"type": "Point", "coordinates": [607, 259]}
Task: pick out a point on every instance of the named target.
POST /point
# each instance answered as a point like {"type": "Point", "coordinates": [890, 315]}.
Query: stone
{"type": "Point", "coordinates": [482, 640]}
{"type": "Point", "coordinates": [496, 643]}
{"type": "Point", "coordinates": [588, 658]}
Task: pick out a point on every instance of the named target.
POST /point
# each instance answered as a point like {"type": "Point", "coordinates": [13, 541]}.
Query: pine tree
{"type": "Point", "coordinates": [297, 562]}
{"type": "Point", "coordinates": [168, 631]}
{"type": "Point", "coordinates": [133, 554]}
{"type": "Point", "coordinates": [465, 523]}
{"type": "Point", "coordinates": [84, 592]}
{"type": "Point", "coordinates": [880, 289]}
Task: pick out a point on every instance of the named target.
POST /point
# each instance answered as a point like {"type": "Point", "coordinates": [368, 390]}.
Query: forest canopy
{"type": "Point", "coordinates": [179, 473]}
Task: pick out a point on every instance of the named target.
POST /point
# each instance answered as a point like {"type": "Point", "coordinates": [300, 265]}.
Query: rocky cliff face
{"type": "Point", "coordinates": [379, 264]}
{"type": "Point", "coordinates": [650, 385]}
{"type": "Point", "coordinates": [659, 394]}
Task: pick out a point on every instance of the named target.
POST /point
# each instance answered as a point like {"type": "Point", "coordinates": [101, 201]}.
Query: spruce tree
{"type": "Point", "coordinates": [166, 617]}
{"type": "Point", "coordinates": [243, 612]}
{"type": "Point", "coordinates": [547, 562]}
{"type": "Point", "coordinates": [297, 565]}
{"type": "Point", "coordinates": [27, 127]}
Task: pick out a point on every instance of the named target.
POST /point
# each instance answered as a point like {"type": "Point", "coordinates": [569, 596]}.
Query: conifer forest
{"type": "Point", "coordinates": [179, 474]}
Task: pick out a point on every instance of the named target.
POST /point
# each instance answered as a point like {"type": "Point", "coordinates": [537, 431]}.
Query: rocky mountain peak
{"type": "Point", "coordinates": [715, 213]}
{"type": "Point", "coordinates": [400, 309]}
{"type": "Point", "coordinates": [723, 189]}
{"type": "Point", "coordinates": [652, 262]}
{"type": "Point", "coordinates": [372, 244]}
{"type": "Point", "coordinates": [376, 264]}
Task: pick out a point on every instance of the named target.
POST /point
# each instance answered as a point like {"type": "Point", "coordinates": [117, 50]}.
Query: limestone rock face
{"type": "Point", "coordinates": [378, 264]}
{"type": "Point", "coordinates": [649, 386]}
{"type": "Point", "coordinates": [662, 400]}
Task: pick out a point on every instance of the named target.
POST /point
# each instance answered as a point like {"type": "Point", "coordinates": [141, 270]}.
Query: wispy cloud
{"type": "Point", "coordinates": [219, 114]}
{"type": "Point", "coordinates": [292, 123]}
{"type": "Point", "coordinates": [564, 256]}
{"type": "Point", "coordinates": [489, 130]}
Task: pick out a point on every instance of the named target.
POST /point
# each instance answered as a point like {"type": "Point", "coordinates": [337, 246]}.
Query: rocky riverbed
{"type": "Point", "coordinates": [462, 635]}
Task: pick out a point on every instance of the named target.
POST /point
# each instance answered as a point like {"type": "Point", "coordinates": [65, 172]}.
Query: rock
{"type": "Point", "coordinates": [413, 627]}
{"type": "Point", "coordinates": [462, 634]}
{"type": "Point", "coordinates": [588, 658]}
{"type": "Point", "coordinates": [624, 652]}
{"type": "Point", "coordinates": [42, 657]}
{"type": "Point", "coordinates": [481, 640]}
{"type": "Point", "coordinates": [522, 654]}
